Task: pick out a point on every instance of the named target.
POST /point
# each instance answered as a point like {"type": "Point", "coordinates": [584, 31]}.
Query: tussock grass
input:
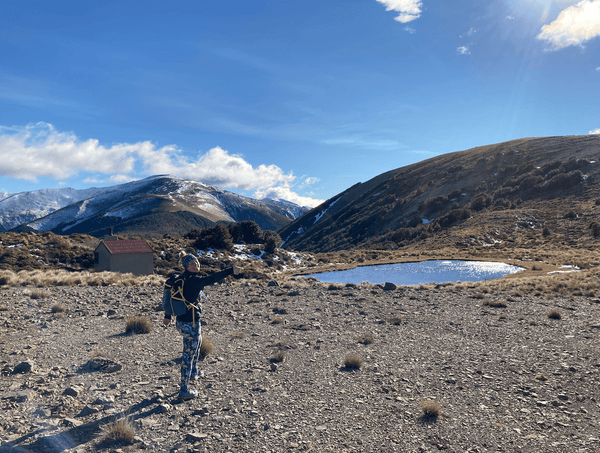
{"type": "Point", "coordinates": [495, 304]}
{"type": "Point", "coordinates": [396, 320]}
{"type": "Point", "coordinates": [38, 294]}
{"type": "Point", "coordinates": [101, 353]}
{"type": "Point", "coordinates": [430, 408]}
{"type": "Point", "coordinates": [554, 314]}
{"type": "Point", "coordinates": [366, 339]}
{"type": "Point", "coordinates": [277, 320]}
{"type": "Point", "coordinates": [207, 347]}
{"type": "Point", "coordinates": [138, 324]}
{"type": "Point", "coordinates": [278, 357]}
{"type": "Point", "coordinates": [59, 277]}
{"type": "Point", "coordinates": [121, 430]}
{"type": "Point", "coordinates": [238, 335]}
{"type": "Point", "coordinates": [353, 362]}
{"type": "Point", "coordinates": [58, 308]}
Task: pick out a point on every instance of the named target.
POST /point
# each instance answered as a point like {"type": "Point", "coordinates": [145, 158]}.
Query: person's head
{"type": "Point", "coordinates": [190, 263]}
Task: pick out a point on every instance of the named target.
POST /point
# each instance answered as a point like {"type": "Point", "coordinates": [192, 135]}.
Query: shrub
{"type": "Point", "coordinates": [217, 237]}
{"type": "Point", "coordinates": [138, 324]}
{"type": "Point", "coordinates": [277, 320]}
{"type": "Point", "coordinates": [207, 347]}
{"type": "Point", "coordinates": [495, 304]}
{"type": "Point", "coordinates": [430, 408]}
{"type": "Point", "coordinates": [481, 201]}
{"type": "Point", "coordinates": [353, 362]}
{"type": "Point", "coordinates": [37, 294]}
{"type": "Point", "coordinates": [272, 241]}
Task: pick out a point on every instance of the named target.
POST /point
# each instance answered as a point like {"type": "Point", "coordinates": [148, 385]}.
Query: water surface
{"type": "Point", "coordinates": [437, 271]}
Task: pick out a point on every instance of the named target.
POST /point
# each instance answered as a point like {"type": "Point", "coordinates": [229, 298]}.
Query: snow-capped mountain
{"type": "Point", "coordinates": [159, 204]}
{"type": "Point", "coordinates": [23, 207]}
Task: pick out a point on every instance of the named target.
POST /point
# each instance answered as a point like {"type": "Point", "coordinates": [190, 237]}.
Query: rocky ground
{"type": "Point", "coordinates": [507, 378]}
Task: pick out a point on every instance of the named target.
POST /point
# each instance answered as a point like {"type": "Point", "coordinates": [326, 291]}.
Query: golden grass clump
{"type": "Point", "coordinates": [38, 294]}
{"type": "Point", "coordinates": [396, 320]}
{"type": "Point", "coordinates": [278, 357]}
{"type": "Point", "coordinates": [207, 346]}
{"type": "Point", "coordinates": [430, 408]}
{"type": "Point", "coordinates": [366, 339]}
{"type": "Point", "coordinates": [353, 362]}
{"type": "Point", "coordinates": [58, 308]}
{"type": "Point", "coordinates": [121, 430]}
{"type": "Point", "coordinates": [138, 324]}
{"type": "Point", "coordinates": [277, 320]}
{"type": "Point", "coordinates": [238, 335]}
{"type": "Point", "coordinates": [554, 314]}
{"type": "Point", "coordinates": [495, 304]}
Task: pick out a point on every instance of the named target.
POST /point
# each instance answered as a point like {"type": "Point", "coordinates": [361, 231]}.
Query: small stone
{"type": "Point", "coordinates": [388, 286]}
{"type": "Point", "coordinates": [23, 367]}
{"type": "Point", "coordinates": [563, 397]}
{"type": "Point", "coordinates": [273, 367]}
{"type": "Point", "coordinates": [196, 437]}
{"type": "Point", "coordinates": [73, 391]}
{"type": "Point", "coordinates": [87, 410]}
{"type": "Point", "coordinates": [71, 422]}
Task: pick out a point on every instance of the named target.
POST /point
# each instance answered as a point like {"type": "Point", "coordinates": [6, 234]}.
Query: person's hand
{"type": "Point", "coordinates": [166, 321]}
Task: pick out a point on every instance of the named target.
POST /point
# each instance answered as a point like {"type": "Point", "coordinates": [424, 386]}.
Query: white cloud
{"type": "Point", "coordinates": [510, 17]}
{"type": "Point", "coordinates": [463, 50]}
{"type": "Point", "coordinates": [284, 192]}
{"type": "Point", "coordinates": [598, 69]}
{"type": "Point", "coordinates": [574, 25]}
{"type": "Point", "coordinates": [409, 9]}
{"type": "Point", "coordinates": [595, 132]}
{"type": "Point", "coordinates": [38, 150]}
{"type": "Point", "coordinates": [311, 180]}
{"type": "Point", "coordinates": [410, 30]}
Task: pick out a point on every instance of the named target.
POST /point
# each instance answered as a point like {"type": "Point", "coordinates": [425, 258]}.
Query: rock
{"type": "Point", "coordinates": [273, 283]}
{"type": "Point", "coordinates": [196, 437]}
{"type": "Point", "coordinates": [87, 410]}
{"type": "Point", "coordinates": [71, 422]}
{"type": "Point", "coordinates": [73, 391]}
{"type": "Point", "coordinates": [388, 286]}
{"type": "Point", "coordinates": [23, 367]}
{"type": "Point", "coordinates": [19, 397]}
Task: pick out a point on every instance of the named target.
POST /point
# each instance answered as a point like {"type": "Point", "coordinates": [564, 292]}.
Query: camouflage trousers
{"type": "Point", "coordinates": [191, 349]}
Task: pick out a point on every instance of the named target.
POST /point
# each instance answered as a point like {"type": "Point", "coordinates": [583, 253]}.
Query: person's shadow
{"type": "Point", "coordinates": [77, 435]}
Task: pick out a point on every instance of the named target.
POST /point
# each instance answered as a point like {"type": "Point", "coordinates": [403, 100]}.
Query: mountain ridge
{"type": "Point", "coordinates": [451, 191]}
{"type": "Point", "coordinates": [128, 208]}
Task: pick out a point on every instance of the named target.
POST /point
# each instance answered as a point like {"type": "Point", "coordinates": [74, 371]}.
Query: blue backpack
{"type": "Point", "coordinates": [173, 302]}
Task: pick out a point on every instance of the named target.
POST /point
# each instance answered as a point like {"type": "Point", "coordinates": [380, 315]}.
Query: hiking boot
{"type": "Point", "coordinates": [188, 394]}
{"type": "Point", "coordinates": [195, 377]}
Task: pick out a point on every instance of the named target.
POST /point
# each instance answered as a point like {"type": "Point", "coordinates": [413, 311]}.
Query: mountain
{"type": "Point", "coordinates": [19, 208]}
{"type": "Point", "coordinates": [525, 183]}
{"type": "Point", "coordinates": [150, 207]}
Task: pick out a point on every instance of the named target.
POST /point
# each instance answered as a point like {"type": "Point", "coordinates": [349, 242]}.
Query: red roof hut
{"type": "Point", "coordinates": [124, 256]}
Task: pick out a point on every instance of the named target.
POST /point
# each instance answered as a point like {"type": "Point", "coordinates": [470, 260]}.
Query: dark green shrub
{"type": "Point", "coordinates": [272, 241]}
{"type": "Point", "coordinates": [216, 237]}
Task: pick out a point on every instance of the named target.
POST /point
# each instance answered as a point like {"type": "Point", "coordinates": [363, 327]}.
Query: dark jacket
{"type": "Point", "coordinates": [193, 284]}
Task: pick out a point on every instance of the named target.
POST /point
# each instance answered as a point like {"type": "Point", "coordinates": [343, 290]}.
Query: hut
{"type": "Point", "coordinates": [124, 256]}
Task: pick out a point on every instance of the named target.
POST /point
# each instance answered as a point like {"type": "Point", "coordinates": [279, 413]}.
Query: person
{"type": "Point", "coordinates": [188, 324]}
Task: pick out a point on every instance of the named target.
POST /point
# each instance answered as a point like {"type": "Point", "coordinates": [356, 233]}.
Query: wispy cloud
{"type": "Point", "coordinates": [409, 9]}
{"type": "Point", "coordinates": [360, 142]}
{"type": "Point", "coordinates": [410, 30]}
{"type": "Point", "coordinates": [574, 25]}
{"type": "Point", "coordinates": [463, 50]}
{"type": "Point", "coordinates": [595, 132]}
{"type": "Point", "coordinates": [598, 69]}
{"type": "Point", "coordinates": [38, 150]}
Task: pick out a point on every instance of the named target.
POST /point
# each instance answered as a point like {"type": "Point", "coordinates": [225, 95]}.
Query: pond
{"type": "Point", "coordinates": [437, 271]}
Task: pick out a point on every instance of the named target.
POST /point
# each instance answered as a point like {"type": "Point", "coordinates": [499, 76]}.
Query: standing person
{"type": "Point", "coordinates": [188, 324]}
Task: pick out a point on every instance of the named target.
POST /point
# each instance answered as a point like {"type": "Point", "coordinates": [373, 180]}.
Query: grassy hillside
{"type": "Point", "coordinates": [539, 190]}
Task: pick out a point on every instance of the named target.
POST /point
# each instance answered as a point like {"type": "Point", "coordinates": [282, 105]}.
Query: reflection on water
{"type": "Point", "coordinates": [424, 272]}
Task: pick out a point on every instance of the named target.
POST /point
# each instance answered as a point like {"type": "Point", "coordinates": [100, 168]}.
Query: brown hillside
{"type": "Point", "coordinates": [542, 187]}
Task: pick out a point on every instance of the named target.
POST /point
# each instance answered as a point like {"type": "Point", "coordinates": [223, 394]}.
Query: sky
{"type": "Point", "coordinates": [294, 100]}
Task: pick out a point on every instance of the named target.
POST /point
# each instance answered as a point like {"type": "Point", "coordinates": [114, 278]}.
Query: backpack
{"type": "Point", "coordinates": [173, 302]}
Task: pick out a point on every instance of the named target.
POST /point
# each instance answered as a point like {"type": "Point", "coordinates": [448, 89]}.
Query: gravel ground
{"type": "Point", "coordinates": [504, 378]}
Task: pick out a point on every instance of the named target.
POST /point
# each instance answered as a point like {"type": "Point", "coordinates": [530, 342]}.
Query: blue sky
{"type": "Point", "coordinates": [280, 98]}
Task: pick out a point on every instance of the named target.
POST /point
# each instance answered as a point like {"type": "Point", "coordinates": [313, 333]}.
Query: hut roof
{"type": "Point", "coordinates": [127, 246]}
